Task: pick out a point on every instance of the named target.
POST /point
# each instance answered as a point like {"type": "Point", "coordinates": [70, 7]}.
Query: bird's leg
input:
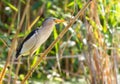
{"type": "Point", "coordinates": [28, 62]}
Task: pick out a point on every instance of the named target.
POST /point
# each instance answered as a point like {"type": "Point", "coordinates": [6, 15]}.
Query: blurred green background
{"type": "Point", "coordinates": [66, 63]}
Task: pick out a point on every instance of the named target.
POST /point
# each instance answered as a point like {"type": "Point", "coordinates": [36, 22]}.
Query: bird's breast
{"type": "Point", "coordinates": [43, 35]}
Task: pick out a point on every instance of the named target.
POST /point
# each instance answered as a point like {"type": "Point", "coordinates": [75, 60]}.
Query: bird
{"type": "Point", "coordinates": [37, 37]}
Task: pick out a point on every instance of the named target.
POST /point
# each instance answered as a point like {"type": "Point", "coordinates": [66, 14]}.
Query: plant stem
{"type": "Point", "coordinates": [55, 41]}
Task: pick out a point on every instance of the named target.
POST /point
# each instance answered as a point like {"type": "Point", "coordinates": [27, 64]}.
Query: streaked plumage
{"type": "Point", "coordinates": [37, 37]}
{"type": "Point", "coordinates": [27, 38]}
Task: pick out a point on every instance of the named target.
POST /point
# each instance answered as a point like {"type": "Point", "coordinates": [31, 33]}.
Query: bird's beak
{"type": "Point", "coordinates": [59, 21]}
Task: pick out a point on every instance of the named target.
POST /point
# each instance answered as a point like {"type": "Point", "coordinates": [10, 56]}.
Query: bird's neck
{"type": "Point", "coordinates": [47, 29]}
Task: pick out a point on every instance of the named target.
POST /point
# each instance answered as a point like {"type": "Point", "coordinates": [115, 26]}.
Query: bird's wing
{"type": "Point", "coordinates": [27, 44]}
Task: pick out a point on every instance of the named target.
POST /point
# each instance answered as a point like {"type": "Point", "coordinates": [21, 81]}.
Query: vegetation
{"type": "Point", "coordinates": [88, 53]}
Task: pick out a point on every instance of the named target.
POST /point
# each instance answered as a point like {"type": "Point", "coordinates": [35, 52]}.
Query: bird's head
{"type": "Point", "coordinates": [51, 21]}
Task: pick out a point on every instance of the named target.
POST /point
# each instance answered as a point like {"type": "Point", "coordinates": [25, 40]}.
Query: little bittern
{"type": "Point", "coordinates": [37, 37]}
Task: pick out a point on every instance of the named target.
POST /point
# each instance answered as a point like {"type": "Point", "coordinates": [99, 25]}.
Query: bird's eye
{"type": "Point", "coordinates": [54, 19]}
